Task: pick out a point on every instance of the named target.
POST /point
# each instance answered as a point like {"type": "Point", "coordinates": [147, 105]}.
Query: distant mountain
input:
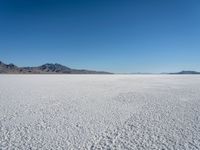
{"type": "Point", "coordinates": [186, 72]}
{"type": "Point", "coordinates": [48, 68]}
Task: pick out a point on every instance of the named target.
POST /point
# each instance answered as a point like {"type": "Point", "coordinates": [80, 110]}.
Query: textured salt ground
{"type": "Point", "coordinates": [99, 112]}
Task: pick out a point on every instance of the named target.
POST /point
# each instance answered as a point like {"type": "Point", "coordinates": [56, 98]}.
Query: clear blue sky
{"type": "Point", "coordinates": [110, 35]}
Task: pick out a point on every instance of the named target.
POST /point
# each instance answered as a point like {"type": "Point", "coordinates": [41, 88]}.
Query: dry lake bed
{"type": "Point", "coordinates": [100, 112]}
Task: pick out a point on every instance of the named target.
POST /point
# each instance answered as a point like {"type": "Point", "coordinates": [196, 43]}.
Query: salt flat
{"type": "Point", "coordinates": [100, 112]}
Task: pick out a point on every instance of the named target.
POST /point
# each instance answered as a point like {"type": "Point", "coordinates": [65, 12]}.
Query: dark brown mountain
{"type": "Point", "coordinates": [48, 68]}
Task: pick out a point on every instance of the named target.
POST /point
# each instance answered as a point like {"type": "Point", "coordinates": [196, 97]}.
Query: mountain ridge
{"type": "Point", "coordinates": [186, 72]}
{"type": "Point", "coordinates": [48, 68]}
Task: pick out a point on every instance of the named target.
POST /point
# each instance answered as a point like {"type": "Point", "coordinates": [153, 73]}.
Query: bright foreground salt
{"type": "Point", "coordinates": [99, 111]}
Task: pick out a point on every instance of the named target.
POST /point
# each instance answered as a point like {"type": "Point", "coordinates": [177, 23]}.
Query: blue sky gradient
{"type": "Point", "coordinates": [111, 35]}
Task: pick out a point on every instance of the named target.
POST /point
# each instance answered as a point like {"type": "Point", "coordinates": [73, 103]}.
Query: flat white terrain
{"type": "Point", "coordinates": [100, 112]}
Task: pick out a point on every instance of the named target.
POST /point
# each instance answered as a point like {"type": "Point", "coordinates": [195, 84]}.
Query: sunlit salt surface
{"type": "Point", "coordinates": [100, 111]}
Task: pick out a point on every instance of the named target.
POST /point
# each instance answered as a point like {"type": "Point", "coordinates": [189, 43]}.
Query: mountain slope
{"type": "Point", "coordinates": [8, 68]}
{"type": "Point", "coordinates": [48, 68]}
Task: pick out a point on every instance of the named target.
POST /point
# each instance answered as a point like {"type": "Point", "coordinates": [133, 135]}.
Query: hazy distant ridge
{"type": "Point", "coordinates": [48, 68]}
{"type": "Point", "coordinates": [186, 72]}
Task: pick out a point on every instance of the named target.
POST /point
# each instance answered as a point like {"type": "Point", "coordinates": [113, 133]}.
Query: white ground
{"type": "Point", "coordinates": [99, 111]}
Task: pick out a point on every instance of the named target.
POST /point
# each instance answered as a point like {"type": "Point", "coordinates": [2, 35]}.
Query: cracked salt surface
{"type": "Point", "coordinates": [100, 112]}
